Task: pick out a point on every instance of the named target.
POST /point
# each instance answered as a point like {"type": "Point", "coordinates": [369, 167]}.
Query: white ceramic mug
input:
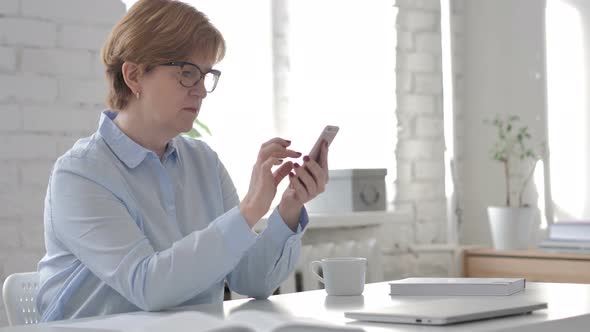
{"type": "Point", "coordinates": [342, 275]}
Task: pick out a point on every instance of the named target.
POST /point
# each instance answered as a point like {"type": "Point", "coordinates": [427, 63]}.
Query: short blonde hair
{"type": "Point", "coordinates": [152, 32]}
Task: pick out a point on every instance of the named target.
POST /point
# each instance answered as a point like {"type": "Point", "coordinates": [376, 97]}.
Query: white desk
{"type": "Point", "coordinates": [565, 300]}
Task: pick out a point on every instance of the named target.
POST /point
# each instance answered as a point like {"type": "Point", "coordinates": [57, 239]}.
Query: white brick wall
{"type": "Point", "coordinates": [57, 61]}
{"type": "Point", "coordinates": [429, 127]}
{"type": "Point", "coordinates": [429, 170]}
{"type": "Point", "coordinates": [9, 7]}
{"type": "Point", "coordinates": [11, 118]}
{"type": "Point", "coordinates": [428, 83]}
{"type": "Point", "coordinates": [420, 191]}
{"type": "Point", "coordinates": [415, 19]}
{"type": "Point", "coordinates": [410, 263]}
{"type": "Point", "coordinates": [9, 236]}
{"type": "Point", "coordinates": [83, 11]}
{"type": "Point", "coordinates": [27, 87]}
{"type": "Point", "coordinates": [23, 31]}
{"type": "Point", "coordinates": [417, 62]}
{"type": "Point", "coordinates": [420, 148]}
{"type": "Point", "coordinates": [413, 149]}
{"type": "Point", "coordinates": [428, 42]}
{"type": "Point", "coordinates": [7, 59]}
{"type": "Point", "coordinates": [51, 91]}
{"type": "Point", "coordinates": [79, 36]}
{"type": "Point", "coordinates": [281, 63]}
{"type": "Point", "coordinates": [457, 46]}
{"type": "Point", "coordinates": [413, 103]}
{"type": "Point", "coordinates": [73, 90]}
{"type": "Point", "coordinates": [9, 178]}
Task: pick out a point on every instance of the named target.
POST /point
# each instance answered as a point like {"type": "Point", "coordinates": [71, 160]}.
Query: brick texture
{"type": "Point", "coordinates": [420, 148]}
{"type": "Point", "coordinates": [51, 91]}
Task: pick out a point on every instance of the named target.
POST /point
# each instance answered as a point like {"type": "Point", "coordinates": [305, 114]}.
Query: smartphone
{"type": "Point", "coordinates": [327, 135]}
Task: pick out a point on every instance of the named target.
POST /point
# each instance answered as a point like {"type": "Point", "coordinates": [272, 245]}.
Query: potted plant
{"type": "Point", "coordinates": [511, 224]}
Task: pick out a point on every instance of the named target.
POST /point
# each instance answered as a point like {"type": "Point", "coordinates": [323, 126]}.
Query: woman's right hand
{"type": "Point", "coordinates": [264, 182]}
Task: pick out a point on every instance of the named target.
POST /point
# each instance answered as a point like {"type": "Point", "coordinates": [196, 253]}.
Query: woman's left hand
{"type": "Point", "coordinates": [309, 180]}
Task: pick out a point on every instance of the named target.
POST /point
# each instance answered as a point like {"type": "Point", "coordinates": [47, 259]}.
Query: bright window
{"type": "Point", "coordinates": [342, 57]}
{"type": "Point", "coordinates": [567, 108]}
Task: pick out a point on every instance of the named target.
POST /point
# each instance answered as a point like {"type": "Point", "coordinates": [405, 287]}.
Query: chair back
{"type": "Point", "coordinates": [19, 293]}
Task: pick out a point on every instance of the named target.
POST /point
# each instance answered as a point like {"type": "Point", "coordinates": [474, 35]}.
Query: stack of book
{"type": "Point", "coordinates": [568, 237]}
{"type": "Point", "coordinates": [456, 286]}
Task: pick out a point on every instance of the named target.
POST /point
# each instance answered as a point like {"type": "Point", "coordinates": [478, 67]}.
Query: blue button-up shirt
{"type": "Point", "coordinates": [128, 231]}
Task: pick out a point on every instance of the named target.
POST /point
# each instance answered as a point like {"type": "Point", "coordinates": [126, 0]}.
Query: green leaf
{"type": "Point", "coordinates": [193, 133]}
{"type": "Point", "coordinates": [197, 131]}
{"type": "Point", "coordinates": [203, 126]}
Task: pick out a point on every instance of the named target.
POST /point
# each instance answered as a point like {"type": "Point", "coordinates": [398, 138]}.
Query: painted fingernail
{"type": "Point", "coordinates": [296, 165]}
{"type": "Point", "coordinates": [291, 174]}
{"type": "Point", "coordinates": [299, 154]}
{"type": "Point", "coordinates": [306, 158]}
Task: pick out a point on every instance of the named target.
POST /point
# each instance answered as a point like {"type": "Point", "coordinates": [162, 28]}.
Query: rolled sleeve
{"type": "Point", "coordinates": [280, 232]}
{"type": "Point", "coordinates": [271, 259]}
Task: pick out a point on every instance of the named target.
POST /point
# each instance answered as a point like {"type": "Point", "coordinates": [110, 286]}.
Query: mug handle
{"type": "Point", "coordinates": [313, 268]}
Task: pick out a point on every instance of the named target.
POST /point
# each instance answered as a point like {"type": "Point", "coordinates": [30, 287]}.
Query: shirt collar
{"type": "Point", "coordinates": [127, 150]}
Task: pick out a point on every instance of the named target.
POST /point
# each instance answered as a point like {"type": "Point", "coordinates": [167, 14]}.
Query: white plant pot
{"type": "Point", "coordinates": [511, 227]}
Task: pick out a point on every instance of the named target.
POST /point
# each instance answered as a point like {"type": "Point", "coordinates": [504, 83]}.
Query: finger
{"type": "Point", "coordinates": [270, 162]}
{"type": "Point", "coordinates": [319, 174]}
{"type": "Point", "coordinates": [278, 151]}
{"type": "Point", "coordinates": [306, 179]}
{"type": "Point", "coordinates": [284, 170]}
{"type": "Point", "coordinates": [300, 190]}
{"type": "Point", "coordinates": [285, 153]}
{"type": "Point", "coordinates": [277, 140]}
{"type": "Point", "coordinates": [312, 167]}
{"type": "Point", "coordinates": [324, 155]}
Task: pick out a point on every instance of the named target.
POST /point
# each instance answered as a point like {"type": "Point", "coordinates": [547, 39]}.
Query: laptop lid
{"type": "Point", "coordinates": [448, 310]}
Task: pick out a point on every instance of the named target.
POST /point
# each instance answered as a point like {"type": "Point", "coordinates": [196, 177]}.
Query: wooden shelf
{"type": "Point", "coordinates": [534, 265]}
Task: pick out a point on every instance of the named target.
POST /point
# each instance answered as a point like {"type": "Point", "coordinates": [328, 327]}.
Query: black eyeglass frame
{"type": "Point", "coordinates": [181, 64]}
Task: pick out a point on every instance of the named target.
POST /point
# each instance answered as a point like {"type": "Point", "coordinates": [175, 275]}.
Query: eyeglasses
{"type": "Point", "coordinates": [191, 75]}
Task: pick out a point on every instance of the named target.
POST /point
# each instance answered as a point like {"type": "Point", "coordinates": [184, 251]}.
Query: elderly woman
{"type": "Point", "coordinates": [138, 217]}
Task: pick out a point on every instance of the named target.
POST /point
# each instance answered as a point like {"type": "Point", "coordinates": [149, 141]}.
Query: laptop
{"type": "Point", "coordinates": [448, 311]}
